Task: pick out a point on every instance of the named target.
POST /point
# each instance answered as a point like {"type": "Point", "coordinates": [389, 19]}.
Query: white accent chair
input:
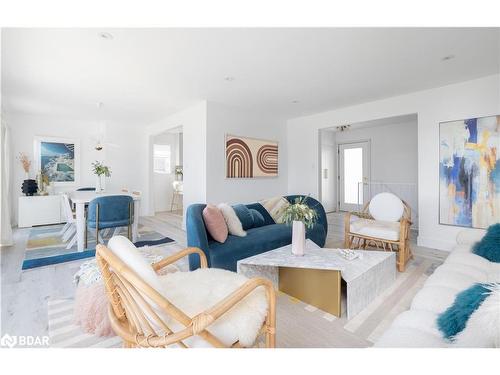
{"type": "Point", "coordinates": [384, 223]}
{"type": "Point", "coordinates": [208, 307]}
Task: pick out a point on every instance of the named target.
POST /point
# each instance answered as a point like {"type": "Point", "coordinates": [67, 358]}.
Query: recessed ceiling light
{"type": "Point", "coordinates": [229, 78]}
{"type": "Point", "coordinates": [295, 101]}
{"type": "Point", "coordinates": [448, 57]}
{"type": "Point", "coordinates": [106, 36]}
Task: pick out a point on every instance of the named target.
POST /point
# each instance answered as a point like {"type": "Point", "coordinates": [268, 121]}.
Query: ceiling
{"type": "Point", "coordinates": [145, 74]}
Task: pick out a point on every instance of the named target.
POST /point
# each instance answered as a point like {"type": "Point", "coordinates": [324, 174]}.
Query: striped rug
{"type": "Point", "coordinates": [299, 325]}
{"type": "Point", "coordinates": [63, 333]}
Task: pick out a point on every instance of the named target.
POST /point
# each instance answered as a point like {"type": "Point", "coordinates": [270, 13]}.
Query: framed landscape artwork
{"type": "Point", "coordinates": [469, 172]}
{"type": "Point", "coordinates": [58, 159]}
{"type": "Point", "coordinates": [250, 157]}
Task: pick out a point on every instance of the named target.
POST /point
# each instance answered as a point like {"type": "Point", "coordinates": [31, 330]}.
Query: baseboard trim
{"type": "Point", "coordinates": [435, 243]}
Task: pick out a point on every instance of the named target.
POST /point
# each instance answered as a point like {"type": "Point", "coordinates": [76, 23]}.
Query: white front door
{"type": "Point", "coordinates": [354, 174]}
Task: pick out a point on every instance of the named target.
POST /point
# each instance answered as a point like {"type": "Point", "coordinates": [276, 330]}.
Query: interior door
{"type": "Point", "coordinates": [354, 175]}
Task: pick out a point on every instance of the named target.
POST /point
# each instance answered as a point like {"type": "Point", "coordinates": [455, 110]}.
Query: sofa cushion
{"type": "Point", "coordinates": [244, 215]}
{"type": "Point", "coordinates": [268, 220]}
{"type": "Point", "coordinates": [469, 260]}
{"type": "Point", "coordinates": [258, 219]}
{"type": "Point", "coordinates": [483, 327]}
{"type": "Point", "coordinates": [233, 223]}
{"type": "Point", "coordinates": [404, 337]}
{"type": "Point", "coordinates": [388, 230]}
{"type": "Point", "coordinates": [215, 223]}
{"type": "Point", "coordinates": [454, 319]}
{"type": "Point", "coordinates": [489, 246]}
{"type": "Point", "coordinates": [434, 299]}
{"type": "Point", "coordinates": [276, 207]}
{"type": "Point", "coordinates": [470, 236]}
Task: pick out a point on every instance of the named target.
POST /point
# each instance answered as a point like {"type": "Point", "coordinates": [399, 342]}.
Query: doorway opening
{"type": "Point", "coordinates": [168, 172]}
{"type": "Point", "coordinates": [363, 159]}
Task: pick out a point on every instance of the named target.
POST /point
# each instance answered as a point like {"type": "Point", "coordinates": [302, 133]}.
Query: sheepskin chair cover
{"type": "Point", "coordinates": [196, 291]}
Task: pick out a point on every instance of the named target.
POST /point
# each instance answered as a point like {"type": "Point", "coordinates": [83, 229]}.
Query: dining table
{"type": "Point", "coordinates": [82, 198]}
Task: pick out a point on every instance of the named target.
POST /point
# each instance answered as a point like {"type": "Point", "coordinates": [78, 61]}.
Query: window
{"type": "Point", "coordinates": [161, 159]}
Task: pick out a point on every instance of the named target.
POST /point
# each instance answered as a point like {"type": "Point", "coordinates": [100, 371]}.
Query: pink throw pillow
{"type": "Point", "coordinates": [215, 223]}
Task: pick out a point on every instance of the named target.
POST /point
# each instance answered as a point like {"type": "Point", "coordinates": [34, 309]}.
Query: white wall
{"type": "Point", "coordinates": [223, 120]}
{"type": "Point", "coordinates": [125, 165]}
{"type": "Point", "coordinates": [328, 175]}
{"type": "Point", "coordinates": [474, 98]}
{"type": "Point", "coordinates": [194, 126]}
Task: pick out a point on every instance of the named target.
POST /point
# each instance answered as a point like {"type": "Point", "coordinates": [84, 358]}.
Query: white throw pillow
{"type": "Point", "coordinates": [483, 327]}
{"type": "Point", "coordinates": [276, 207]}
{"type": "Point", "coordinates": [233, 223]}
{"type": "Point", "coordinates": [386, 207]}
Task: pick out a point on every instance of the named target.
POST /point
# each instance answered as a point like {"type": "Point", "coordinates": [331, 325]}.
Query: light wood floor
{"type": "Point", "coordinates": [24, 294]}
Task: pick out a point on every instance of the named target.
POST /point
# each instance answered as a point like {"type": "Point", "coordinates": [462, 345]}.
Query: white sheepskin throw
{"type": "Point", "coordinates": [233, 223]}
{"type": "Point", "coordinates": [193, 292]}
{"type": "Point", "coordinates": [483, 327]}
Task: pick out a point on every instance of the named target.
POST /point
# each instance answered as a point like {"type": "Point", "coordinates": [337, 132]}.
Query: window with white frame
{"type": "Point", "coordinates": [161, 159]}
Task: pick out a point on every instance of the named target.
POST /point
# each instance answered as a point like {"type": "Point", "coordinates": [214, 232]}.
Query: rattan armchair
{"type": "Point", "coordinates": [138, 311]}
{"type": "Point", "coordinates": [399, 243]}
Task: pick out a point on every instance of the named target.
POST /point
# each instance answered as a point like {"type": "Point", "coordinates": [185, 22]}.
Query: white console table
{"type": "Point", "coordinates": [39, 210]}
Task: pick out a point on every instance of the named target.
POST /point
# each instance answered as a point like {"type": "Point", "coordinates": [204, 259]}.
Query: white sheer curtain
{"type": "Point", "coordinates": [6, 228]}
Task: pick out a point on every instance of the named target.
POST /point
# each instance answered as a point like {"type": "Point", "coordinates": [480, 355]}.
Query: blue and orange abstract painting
{"type": "Point", "coordinates": [469, 172]}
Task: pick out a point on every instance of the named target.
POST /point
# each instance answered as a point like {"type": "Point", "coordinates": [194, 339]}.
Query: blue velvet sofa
{"type": "Point", "coordinates": [258, 240]}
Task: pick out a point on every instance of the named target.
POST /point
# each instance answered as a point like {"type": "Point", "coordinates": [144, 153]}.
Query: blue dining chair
{"type": "Point", "coordinates": [110, 211]}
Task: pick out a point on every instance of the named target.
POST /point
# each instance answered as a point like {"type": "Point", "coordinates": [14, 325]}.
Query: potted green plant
{"type": "Point", "coordinates": [301, 216]}
{"type": "Point", "coordinates": [100, 170]}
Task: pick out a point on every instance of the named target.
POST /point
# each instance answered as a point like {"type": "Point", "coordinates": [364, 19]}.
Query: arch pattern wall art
{"type": "Point", "coordinates": [250, 157]}
{"type": "Point", "coordinates": [469, 172]}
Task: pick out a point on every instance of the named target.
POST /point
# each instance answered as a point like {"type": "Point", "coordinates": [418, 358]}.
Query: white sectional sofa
{"type": "Point", "coordinates": [417, 326]}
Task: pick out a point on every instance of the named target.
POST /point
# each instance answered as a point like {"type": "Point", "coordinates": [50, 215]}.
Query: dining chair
{"type": "Point", "coordinates": [384, 223]}
{"type": "Point", "coordinates": [110, 211]}
{"type": "Point", "coordinates": [69, 228]}
{"type": "Point", "coordinates": [135, 193]}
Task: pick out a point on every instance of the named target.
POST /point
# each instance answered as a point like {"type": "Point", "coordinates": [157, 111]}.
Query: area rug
{"type": "Point", "coordinates": [299, 325]}
{"type": "Point", "coordinates": [45, 246]}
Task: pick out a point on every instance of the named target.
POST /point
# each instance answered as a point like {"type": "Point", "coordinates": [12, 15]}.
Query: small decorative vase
{"type": "Point", "coordinates": [29, 187]}
{"type": "Point", "coordinates": [298, 238]}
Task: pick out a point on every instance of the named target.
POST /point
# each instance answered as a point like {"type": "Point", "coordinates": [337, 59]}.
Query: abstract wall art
{"type": "Point", "coordinates": [250, 157]}
{"type": "Point", "coordinates": [57, 158]}
{"type": "Point", "coordinates": [469, 172]}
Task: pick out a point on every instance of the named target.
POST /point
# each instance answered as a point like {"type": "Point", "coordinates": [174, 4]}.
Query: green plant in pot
{"type": "Point", "coordinates": [300, 216]}
{"type": "Point", "coordinates": [101, 171]}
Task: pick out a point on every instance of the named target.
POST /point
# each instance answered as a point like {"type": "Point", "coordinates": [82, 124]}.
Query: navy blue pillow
{"type": "Point", "coordinates": [489, 246]}
{"type": "Point", "coordinates": [268, 220]}
{"type": "Point", "coordinates": [244, 215]}
{"type": "Point", "coordinates": [454, 319]}
{"type": "Point", "coordinates": [258, 219]}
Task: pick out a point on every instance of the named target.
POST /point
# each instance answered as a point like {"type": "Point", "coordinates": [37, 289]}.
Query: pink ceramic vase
{"type": "Point", "coordinates": [298, 238]}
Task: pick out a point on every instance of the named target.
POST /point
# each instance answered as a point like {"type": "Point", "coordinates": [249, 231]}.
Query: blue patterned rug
{"type": "Point", "coordinates": [45, 246]}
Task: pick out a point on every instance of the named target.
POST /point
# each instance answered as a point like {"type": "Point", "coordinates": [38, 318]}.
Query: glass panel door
{"type": "Point", "coordinates": [353, 175]}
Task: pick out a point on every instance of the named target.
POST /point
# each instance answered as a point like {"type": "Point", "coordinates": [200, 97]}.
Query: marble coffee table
{"type": "Point", "coordinates": [315, 277]}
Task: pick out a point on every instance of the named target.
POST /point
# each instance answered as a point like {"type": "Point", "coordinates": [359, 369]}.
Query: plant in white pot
{"type": "Point", "coordinates": [100, 170]}
{"type": "Point", "coordinates": [301, 216]}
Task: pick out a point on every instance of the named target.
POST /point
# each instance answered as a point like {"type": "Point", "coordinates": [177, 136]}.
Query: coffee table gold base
{"type": "Point", "coordinates": [319, 288]}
